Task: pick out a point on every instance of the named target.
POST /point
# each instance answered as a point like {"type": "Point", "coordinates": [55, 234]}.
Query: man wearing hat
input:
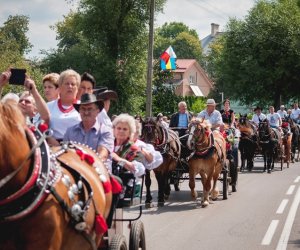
{"type": "Point", "coordinates": [212, 115]}
{"type": "Point", "coordinates": [258, 116]}
{"type": "Point", "coordinates": [105, 95]}
{"type": "Point", "coordinates": [89, 131]}
{"type": "Point", "coordinates": [282, 112]}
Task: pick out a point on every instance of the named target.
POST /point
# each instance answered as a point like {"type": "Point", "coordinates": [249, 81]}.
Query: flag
{"type": "Point", "coordinates": [168, 59]}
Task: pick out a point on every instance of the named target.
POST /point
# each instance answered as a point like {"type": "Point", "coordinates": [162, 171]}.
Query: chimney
{"type": "Point", "coordinates": [214, 29]}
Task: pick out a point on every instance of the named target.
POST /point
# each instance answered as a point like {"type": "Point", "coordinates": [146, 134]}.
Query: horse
{"type": "Point", "coordinates": [166, 141]}
{"type": "Point", "coordinates": [248, 141]}
{"type": "Point", "coordinates": [270, 142]}
{"type": "Point", "coordinates": [295, 129]}
{"type": "Point", "coordinates": [208, 159]}
{"type": "Point", "coordinates": [51, 198]}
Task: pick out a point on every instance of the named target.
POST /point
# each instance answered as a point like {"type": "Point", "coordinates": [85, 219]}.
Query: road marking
{"type": "Point", "coordinates": [284, 238]}
{"type": "Point", "coordinates": [290, 190]}
{"type": "Point", "coordinates": [282, 206]}
{"type": "Point", "coordinates": [270, 232]}
{"type": "Point", "coordinates": [297, 179]}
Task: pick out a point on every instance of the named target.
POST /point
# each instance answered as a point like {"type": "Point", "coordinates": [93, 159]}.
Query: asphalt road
{"type": "Point", "coordinates": [262, 214]}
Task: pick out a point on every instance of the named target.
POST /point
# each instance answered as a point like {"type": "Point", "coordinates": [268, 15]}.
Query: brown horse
{"type": "Point", "coordinates": [166, 141]}
{"type": "Point", "coordinates": [295, 130]}
{"type": "Point", "coordinates": [208, 159]}
{"type": "Point", "coordinates": [50, 198]}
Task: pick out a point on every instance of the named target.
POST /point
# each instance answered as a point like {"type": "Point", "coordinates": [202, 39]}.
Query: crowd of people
{"type": "Point", "coordinates": [77, 112]}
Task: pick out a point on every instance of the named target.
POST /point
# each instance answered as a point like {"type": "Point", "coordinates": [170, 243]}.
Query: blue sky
{"type": "Point", "coordinates": [197, 14]}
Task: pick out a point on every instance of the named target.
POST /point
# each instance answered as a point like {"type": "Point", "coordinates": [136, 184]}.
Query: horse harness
{"type": "Point", "coordinates": [45, 173]}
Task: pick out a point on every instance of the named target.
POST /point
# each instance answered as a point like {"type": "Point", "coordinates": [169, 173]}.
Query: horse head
{"type": "Point", "coordinates": [151, 131]}
{"type": "Point", "coordinates": [263, 128]}
{"type": "Point", "coordinates": [199, 131]}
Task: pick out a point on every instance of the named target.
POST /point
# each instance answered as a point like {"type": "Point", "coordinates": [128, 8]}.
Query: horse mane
{"type": "Point", "coordinates": [12, 125]}
{"type": "Point", "coordinates": [205, 123]}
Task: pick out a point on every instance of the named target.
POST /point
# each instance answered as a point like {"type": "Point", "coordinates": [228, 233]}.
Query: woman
{"type": "Point", "coordinates": [63, 113]}
{"type": "Point", "coordinates": [50, 84]}
{"type": "Point", "coordinates": [228, 114]}
{"type": "Point", "coordinates": [126, 155]}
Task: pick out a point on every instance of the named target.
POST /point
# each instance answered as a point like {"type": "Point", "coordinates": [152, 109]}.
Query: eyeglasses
{"type": "Point", "coordinates": [25, 100]}
{"type": "Point", "coordinates": [87, 110]}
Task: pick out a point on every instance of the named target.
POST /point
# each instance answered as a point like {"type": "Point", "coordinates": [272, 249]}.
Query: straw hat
{"type": "Point", "coordinates": [211, 102]}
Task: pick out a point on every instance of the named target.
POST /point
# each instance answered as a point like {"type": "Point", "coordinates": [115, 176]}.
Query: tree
{"type": "Point", "coordinates": [184, 41]}
{"type": "Point", "coordinates": [108, 38]}
{"type": "Point", "coordinates": [259, 57]}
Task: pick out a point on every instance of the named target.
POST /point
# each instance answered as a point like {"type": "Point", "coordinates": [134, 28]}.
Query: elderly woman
{"type": "Point", "coordinates": [50, 84]}
{"type": "Point", "coordinates": [63, 113]}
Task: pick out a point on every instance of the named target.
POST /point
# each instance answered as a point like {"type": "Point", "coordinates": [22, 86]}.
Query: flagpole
{"type": "Point", "coordinates": [150, 61]}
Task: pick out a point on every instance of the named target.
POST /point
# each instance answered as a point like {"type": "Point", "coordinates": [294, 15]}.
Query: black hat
{"type": "Point", "coordinates": [87, 99]}
{"type": "Point", "coordinates": [258, 108]}
{"type": "Point", "coordinates": [104, 94]}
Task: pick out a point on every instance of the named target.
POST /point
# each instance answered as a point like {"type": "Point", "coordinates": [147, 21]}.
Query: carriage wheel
{"type": "Point", "coordinates": [118, 242]}
{"type": "Point", "coordinates": [137, 236]}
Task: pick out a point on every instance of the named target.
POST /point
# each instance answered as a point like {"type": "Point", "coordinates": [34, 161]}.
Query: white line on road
{"type": "Point", "coordinates": [270, 232]}
{"type": "Point", "coordinates": [282, 243]}
{"type": "Point", "coordinates": [282, 206]}
{"type": "Point", "coordinates": [297, 179]}
{"type": "Point", "coordinates": [290, 190]}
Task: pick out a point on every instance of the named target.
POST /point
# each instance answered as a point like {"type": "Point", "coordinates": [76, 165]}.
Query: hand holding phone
{"type": "Point", "coordinates": [17, 76]}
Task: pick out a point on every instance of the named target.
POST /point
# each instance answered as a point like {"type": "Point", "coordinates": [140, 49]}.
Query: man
{"type": "Point", "coordinates": [212, 115]}
{"type": "Point", "coordinates": [180, 120]}
{"type": "Point", "coordinates": [89, 132]}
{"type": "Point", "coordinates": [258, 116]}
{"type": "Point", "coordinates": [87, 84]}
{"type": "Point", "coordinates": [274, 119]}
{"type": "Point", "coordinates": [296, 113]}
{"type": "Point", "coordinates": [282, 112]}
{"type": "Point", "coordinates": [105, 95]}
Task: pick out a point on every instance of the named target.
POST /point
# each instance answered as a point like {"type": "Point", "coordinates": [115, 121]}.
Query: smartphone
{"type": "Point", "coordinates": [17, 76]}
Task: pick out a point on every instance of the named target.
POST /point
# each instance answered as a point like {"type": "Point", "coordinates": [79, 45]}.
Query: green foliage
{"type": "Point", "coordinates": [258, 61]}
{"type": "Point", "coordinates": [184, 41]}
{"type": "Point", "coordinates": [107, 38]}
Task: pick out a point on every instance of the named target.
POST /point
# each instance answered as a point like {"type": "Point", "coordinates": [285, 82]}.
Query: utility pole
{"type": "Point", "coordinates": [150, 60]}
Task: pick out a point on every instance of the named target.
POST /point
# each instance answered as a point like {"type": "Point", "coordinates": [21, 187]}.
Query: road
{"type": "Point", "coordinates": [263, 214]}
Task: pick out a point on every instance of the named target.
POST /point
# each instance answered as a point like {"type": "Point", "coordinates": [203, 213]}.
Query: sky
{"type": "Point", "coordinates": [196, 14]}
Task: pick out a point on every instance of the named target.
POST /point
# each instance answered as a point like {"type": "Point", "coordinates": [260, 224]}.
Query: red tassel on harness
{"type": "Point", "coordinates": [43, 127]}
{"type": "Point", "coordinates": [107, 186]}
{"type": "Point", "coordinates": [100, 224]}
{"type": "Point", "coordinates": [85, 157]}
{"type": "Point", "coordinates": [115, 186]}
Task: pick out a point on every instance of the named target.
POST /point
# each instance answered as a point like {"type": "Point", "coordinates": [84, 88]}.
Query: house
{"type": "Point", "coordinates": [190, 79]}
{"type": "Point", "coordinates": [208, 40]}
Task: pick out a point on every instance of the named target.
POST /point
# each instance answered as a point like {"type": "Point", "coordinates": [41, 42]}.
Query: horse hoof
{"type": "Point", "coordinates": [160, 204]}
{"type": "Point", "coordinates": [269, 171]}
{"type": "Point", "coordinates": [205, 203]}
{"type": "Point", "coordinates": [233, 188]}
{"type": "Point", "coordinates": [148, 205]}
{"type": "Point", "coordinates": [166, 197]}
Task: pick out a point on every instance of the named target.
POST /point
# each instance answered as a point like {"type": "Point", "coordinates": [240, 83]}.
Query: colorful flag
{"type": "Point", "coordinates": [168, 59]}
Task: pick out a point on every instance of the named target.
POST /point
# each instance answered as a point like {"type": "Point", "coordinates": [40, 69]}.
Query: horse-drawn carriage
{"type": "Point", "coordinates": [60, 197]}
{"type": "Point", "coordinates": [263, 141]}
{"type": "Point", "coordinates": [200, 151]}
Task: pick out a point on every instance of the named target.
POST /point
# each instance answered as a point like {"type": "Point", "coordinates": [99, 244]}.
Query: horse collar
{"type": "Point", "coordinates": [34, 191]}
{"type": "Point", "coordinates": [206, 151]}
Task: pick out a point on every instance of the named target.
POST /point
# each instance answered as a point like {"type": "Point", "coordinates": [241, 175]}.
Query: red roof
{"type": "Point", "coordinates": [184, 64]}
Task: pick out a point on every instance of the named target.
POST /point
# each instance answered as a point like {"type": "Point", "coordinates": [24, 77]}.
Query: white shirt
{"type": "Point", "coordinates": [274, 119]}
{"type": "Point", "coordinates": [103, 118]}
{"type": "Point", "coordinates": [282, 113]}
{"type": "Point", "coordinates": [60, 121]}
{"type": "Point", "coordinates": [157, 157]}
{"type": "Point", "coordinates": [295, 114]}
{"type": "Point", "coordinates": [214, 118]}
{"type": "Point", "coordinates": [256, 119]}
